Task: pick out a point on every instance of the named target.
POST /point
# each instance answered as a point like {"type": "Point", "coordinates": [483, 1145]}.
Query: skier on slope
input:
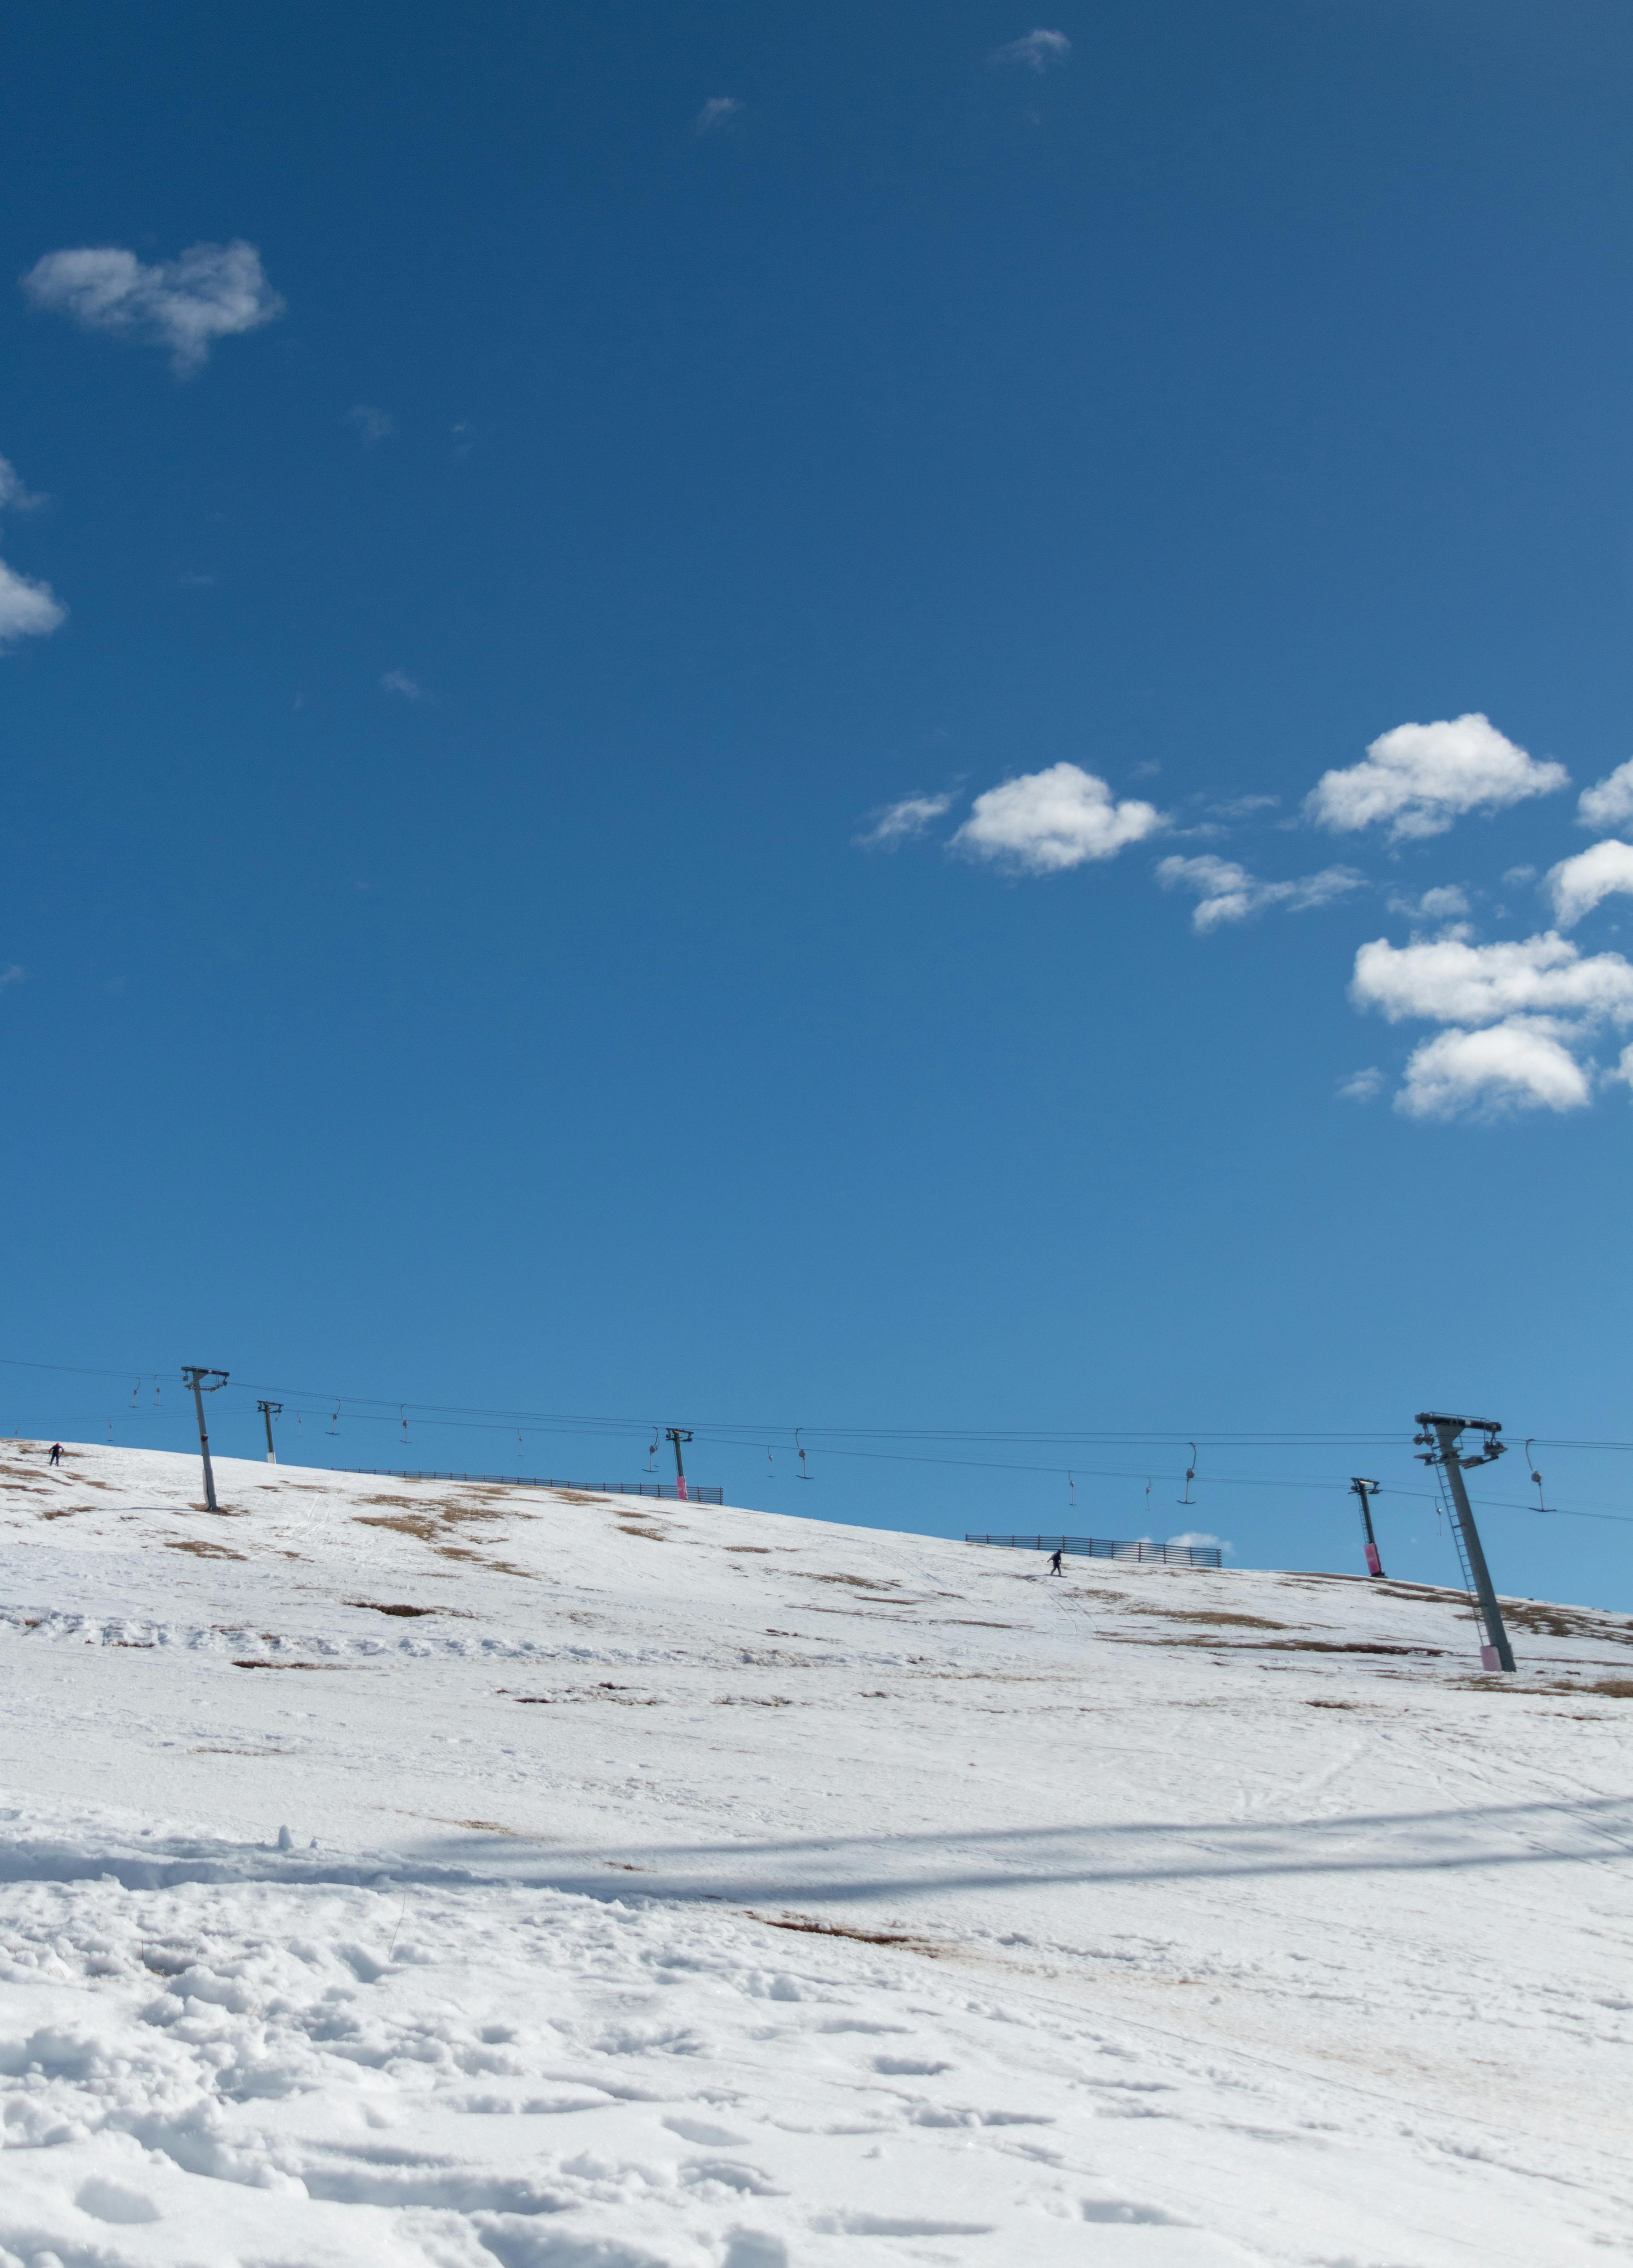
{"type": "Point", "coordinates": [56, 1452]}
{"type": "Point", "coordinates": [1055, 1567]}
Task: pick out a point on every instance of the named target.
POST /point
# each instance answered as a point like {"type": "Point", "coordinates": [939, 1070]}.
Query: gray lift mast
{"type": "Point", "coordinates": [1439, 1439]}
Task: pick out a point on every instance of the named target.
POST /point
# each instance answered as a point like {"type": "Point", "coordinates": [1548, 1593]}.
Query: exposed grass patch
{"type": "Point", "coordinates": [1211, 1614]}
{"type": "Point", "coordinates": [202, 1549]}
{"type": "Point", "coordinates": [263, 1664]}
{"type": "Point", "coordinates": [804, 1927]}
{"type": "Point", "coordinates": [1543, 1621]}
{"type": "Point", "coordinates": [476, 1559]}
{"type": "Point", "coordinates": [857, 1582]}
{"type": "Point", "coordinates": [1278, 1645]}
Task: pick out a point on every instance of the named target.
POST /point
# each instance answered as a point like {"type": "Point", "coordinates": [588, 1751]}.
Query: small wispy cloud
{"type": "Point", "coordinates": [896, 823]}
{"type": "Point", "coordinates": [1445, 903]}
{"type": "Point", "coordinates": [11, 974]}
{"type": "Point", "coordinates": [1037, 51]}
{"type": "Point", "coordinates": [14, 494]}
{"type": "Point", "coordinates": [211, 291]}
{"type": "Point", "coordinates": [399, 681]}
{"type": "Point", "coordinates": [27, 609]}
{"type": "Point", "coordinates": [1227, 892]}
{"type": "Point", "coordinates": [370, 424]}
{"type": "Point", "coordinates": [1245, 806]}
{"type": "Point", "coordinates": [716, 112]}
{"type": "Point", "coordinates": [1200, 1535]}
{"type": "Point", "coordinates": [1362, 1085]}
{"type": "Point", "coordinates": [1608, 803]}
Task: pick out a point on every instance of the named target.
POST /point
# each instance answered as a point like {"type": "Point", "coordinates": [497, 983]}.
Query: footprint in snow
{"type": "Point", "coordinates": [1119, 2210]}
{"type": "Point", "coordinates": [112, 2201]}
{"type": "Point", "coordinates": [699, 2131]}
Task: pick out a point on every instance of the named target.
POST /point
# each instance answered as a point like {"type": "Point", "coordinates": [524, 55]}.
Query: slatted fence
{"type": "Point", "coordinates": [1102, 1547]}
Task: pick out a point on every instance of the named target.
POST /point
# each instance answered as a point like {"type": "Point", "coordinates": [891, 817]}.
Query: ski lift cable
{"type": "Point", "coordinates": [1265, 1437]}
{"type": "Point", "coordinates": [1323, 1483]}
{"type": "Point", "coordinates": [730, 1433]}
{"type": "Point", "coordinates": [726, 1428]}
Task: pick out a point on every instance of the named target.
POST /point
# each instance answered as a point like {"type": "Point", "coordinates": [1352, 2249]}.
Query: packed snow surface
{"type": "Point", "coordinates": [426, 1872]}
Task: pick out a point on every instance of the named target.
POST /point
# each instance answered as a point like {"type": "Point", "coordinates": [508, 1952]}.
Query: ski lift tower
{"type": "Point", "coordinates": [677, 1434]}
{"type": "Point", "coordinates": [197, 1377]}
{"type": "Point", "coordinates": [1439, 1439]}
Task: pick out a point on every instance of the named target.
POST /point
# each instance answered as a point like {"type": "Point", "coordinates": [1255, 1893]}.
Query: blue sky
{"type": "Point", "coordinates": [688, 740]}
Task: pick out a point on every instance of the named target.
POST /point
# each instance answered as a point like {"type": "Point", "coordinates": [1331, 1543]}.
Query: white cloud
{"type": "Point", "coordinates": [1608, 803]}
{"type": "Point", "coordinates": [1244, 807]}
{"type": "Point", "coordinates": [27, 609]}
{"type": "Point", "coordinates": [1522, 1015]}
{"type": "Point", "coordinates": [1446, 904]}
{"type": "Point", "coordinates": [1577, 885]}
{"type": "Point", "coordinates": [13, 496]}
{"type": "Point", "coordinates": [1201, 1536]}
{"type": "Point", "coordinates": [900, 822]}
{"type": "Point", "coordinates": [1448, 981]}
{"type": "Point", "coordinates": [1037, 51]}
{"type": "Point", "coordinates": [398, 680]}
{"type": "Point", "coordinates": [373, 426]}
{"type": "Point", "coordinates": [1522, 1063]}
{"type": "Point", "coordinates": [715, 112]}
{"type": "Point", "coordinates": [1520, 873]}
{"type": "Point", "coordinates": [1420, 777]}
{"type": "Point", "coordinates": [1046, 821]}
{"type": "Point", "coordinates": [1228, 892]}
{"type": "Point", "coordinates": [1364, 1086]}
{"type": "Point", "coordinates": [212, 291]}
{"type": "Point", "coordinates": [11, 974]}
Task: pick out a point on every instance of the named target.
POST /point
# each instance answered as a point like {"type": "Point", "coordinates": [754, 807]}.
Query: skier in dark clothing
{"type": "Point", "coordinates": [56, 1452]}
{"type": "Point", "coordinates": [1055, 1567]}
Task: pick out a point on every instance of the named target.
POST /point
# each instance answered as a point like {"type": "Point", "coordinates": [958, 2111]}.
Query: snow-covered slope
{"type": "Point", "coordinates": [673, 1885]}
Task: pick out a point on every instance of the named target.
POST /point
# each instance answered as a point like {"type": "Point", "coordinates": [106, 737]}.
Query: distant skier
{"type": "Point", "coordinates": [56, 1452]}
{"type": "Point", "coordinates": [1055, 1567]}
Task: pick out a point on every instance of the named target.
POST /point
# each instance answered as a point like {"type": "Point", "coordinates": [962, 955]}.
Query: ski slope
{"type": "Point", "coordinates": [421, 1873]}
